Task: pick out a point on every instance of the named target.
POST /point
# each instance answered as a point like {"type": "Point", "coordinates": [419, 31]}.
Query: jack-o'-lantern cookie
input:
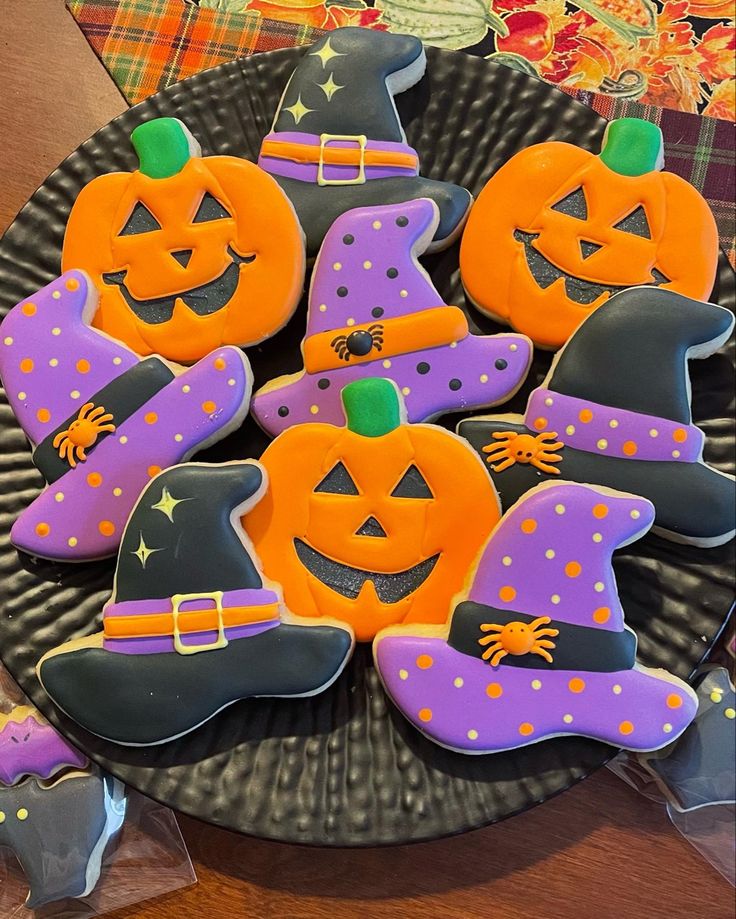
{"type": "Point", "coordinates": [188, 252]}
{"type": "Point", "coordinates": [537, 646]}
{"type": "Point", "coordinates": [337, 141]}
{"type": "Point", "coordinates": [557, 231]}
{"type": "Point", "coordinates": [375, 522]}
{"type": "Point", "coordinates": [101, 420]}
{"type": "Point", "coordinates": [373, 311]}
{"type": "Point", "coordinates": [614, 410]}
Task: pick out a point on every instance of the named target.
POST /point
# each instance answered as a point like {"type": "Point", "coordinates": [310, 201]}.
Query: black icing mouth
{"type": "Point", "coordinates": [349, 582]}
{"type": "Point", "coordinates": [203, 300]}
{"type": "Point", "coordinates": [578, 290]}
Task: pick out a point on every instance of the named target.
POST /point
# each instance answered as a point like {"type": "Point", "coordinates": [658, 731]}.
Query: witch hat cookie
{"type": "Point", "coordinates": [337, 141]}
{"type": "Point", "coordinates": [615, 410]}
{"type": "Point", "coordinates": [375, 521]}
{"type": "Point", "coordinates": [103, 421]}
{"type": "Point", "coordinates": [373, 311]}
{"type": "Point", "coordinates": [537, 645]}
{"type": "Point", "coordinates": [558, 230]}
{"type": "Point", "coordinates": [190, 627]}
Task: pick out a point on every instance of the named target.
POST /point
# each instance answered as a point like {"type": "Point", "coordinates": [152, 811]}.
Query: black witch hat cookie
{"type": "Point", "coordinates": [337, 141]}
{"type": "Point", "coordinates": [614, 410]}
{"type": "Point", "coordinates": [190, 627]}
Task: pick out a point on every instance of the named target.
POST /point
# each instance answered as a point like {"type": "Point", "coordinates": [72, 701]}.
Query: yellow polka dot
{"type": "Point", "coordinates": [367, 265]}
{"type": "Point", "coordinates": [549, 401]}
{"type": "Point", "coordinates": [667, 727]}
{"type": "Point", "coordinates": [506, 560]}
{"type": "Point", "coordinates": [72, 541]}
{"type": "Point", "coordinates": [675, 454]}
{"type": "Point", "coordinates": [376, 224]}
{"type": "Point", "coordinates": [673, 700]}
{"type": "Point", "coordinates": [679, 435]}
{"type": "Point", "coordinates": [559, 509]}
{"type": "Point", "coordinates": [75, 394]}
{"type": "Point", "coordinates": [613, 423]}
{"type": "Point", "coordinates": [178, 438]}
{"type": "Point", "coordinates": [573, 569]}
{"type": "Point", "coordinates": [730, 713]}
{"type": "Point", "coordinates": [484, 377]}
{"type": "Point", "coordinates": [458, 682]}
{"type": "Point", "coordinates": [629, 448]}
{"type": "Point", "coordinates": [186, 388]}
{"type": "Point", "coordinates": [2, 816]}
{"type": "Point", "coordinates": [536, 684]}
{"type": "Point", "coordinates": [405, 391]}
{"type": "Point", "coordinates": [567, 719]}
{"type": "Point", "coordinates": [425, 714]}
{"type": "Point", "coordinates": [124, 439]}
{"type": "Point", "coordinates": [336, 266]}
{"type": "Point", "coordinates": [56, 295]}
{"type": "Point", "coordinates": [653, 432]}
{"type": "Point", "coordinates": [26, 365]}
{"type": "Point", "coordinates": [404, 293]}
{"type": "Point", "coordinates": [599, 587]}
{"type": "Point", "coordinates": [424, 661]}
{"type": "Point", "coordinates": [94, 480]}
{"type": "Point", "coordinates": [28, 309]}
{"type": "Point", "coordinates": [82, 365]}
{"type": "Point", "coordinates": [597, 537]}
{"type": "Point", "coordinates": [117, 361]}
{"type": "Point", "coordinates": [585, 415]}
{"type": "Point", "coordinates": [208, 407]}
{"type": "Point", "coordinates": [494, 690]}
{"type": "Point", "coordinates": [635, 515]}
{"type": "Point", "coordinates": [153, 470]}
{"type": "Point", "coordinates": [570, 430]}
{"type": "Point", "coordinates": [106, 527]}
{"type": "Point", "coordinates": [323, 307]}
{"type": "Point", "coordinates": [117, 492]}
{"type": "Point", "coordinates": [403, 674]}
{"type": "Point", "coordinates": [54, 362]}
{"type": "Point", "coordinates": [22, 396]}
{"type": "Point", "coordinates": [43, 415]}
{"type": "Point", "coordinates": [576, 684]}
{"type": "Point", "coordinates": [525, 729]}
{"type": "Point", "coordinates": [387, 364]}
{"type": "Point", "coordinates": [616, 689]}
{"type": "Point", "coordinates": [7, 340]}
{"type": "Point", "coordinates": [529, 525]}
{"type": "Point", "coordinates": [513, 347]}
{"type": "Point", "coordinates": [540, 423]}
{"type": "Point", "coordinates": [602, 443]}
{"type": "Point", "coordinates": [555, 598]}
{"type": "Point", "coordinates": [59, 497]}
{"type": "Point", "coordinates": [220, 363]}
{"type": "Point", "coordinates": [507, 594]}
{"type": "Point", "coordinates": [600, 511]}
{"type": "Point", "coordinates": [472, 734]}
{"type": "Point", "coordinates": [231, 382]}
{"type": "Point", "coordinates": [22, 813]}
{"type": "Point", "coordinates": [42, 529]}
{"type": "Point", "coordinates": [716, 696]}
{"type": "Point", "coordinates": [601, 615]}
{"type": "Point", "coordinates": [314, 409]}
{"type": "Point", "coordinates": [626, 727]}
{"type": "Point", "coordinates": [550, 553]}
{"type": "Point", "coordinates": [71, 284]}
{"type": "Point", "coordinates": [152, 417]}
{"type": "Point", "coordinates": [56, 330]}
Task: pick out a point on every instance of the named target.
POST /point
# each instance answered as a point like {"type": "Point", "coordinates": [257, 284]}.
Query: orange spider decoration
{"type": "Point", "coordinates": [83, 432]}
{"type": "Point", "coordinates": [524, 448]}
{"type": "Point", "coordinates": [517, 638]}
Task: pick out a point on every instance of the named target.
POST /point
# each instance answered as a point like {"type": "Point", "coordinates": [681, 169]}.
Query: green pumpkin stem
{"type": "Point", "coordinates": [162, 145]}
{"type": "Point", "coordinates": [632, 147]}
{"type": "Point", "coordinates": [372, 407]}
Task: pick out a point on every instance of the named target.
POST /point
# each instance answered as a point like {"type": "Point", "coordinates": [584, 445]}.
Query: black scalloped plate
{"type": "Point", "coordinates": [343, 768]}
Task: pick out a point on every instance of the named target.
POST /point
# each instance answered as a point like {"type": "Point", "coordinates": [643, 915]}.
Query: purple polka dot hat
{"type": "Point", "coordinates": [537, 646]}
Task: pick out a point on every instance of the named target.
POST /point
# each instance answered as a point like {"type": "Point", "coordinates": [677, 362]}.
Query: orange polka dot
{"type": "Point", "coordinates": [425, 714]}
{"type": "Point", "coordinates": [150, 417]}
{"type": "Point", "coordinates": [94, 480]}
{"type": "Point", "coordinates": [630, 448]}
{"type": "Point", "coordinates": [153, 470]}
{"type": "Point", "coordinates": [525, 729]}
{"type": "Point", "coordinates": [585, 415]}
{"type": "Point", "coordinates": [626, 727]}
{"type": "Point", "coordinates": [106, 527]}
{"type": "Point", "coordinates": [72, 284]}
{"type": "Point", "coordinates": [673, 700]}
{"type": "Point", "coordinates": [494, 690]}
{"type": "Point", "coordinates": [82, 365]}
{"type": "Point", "coordinates": [507, 594]}
{"type": "Point", "coordinates": [26, 365]}
{"type": "Point", "coordinates": [220, 363]}
{"type": "Point", "coordinates": [528, 525]}
{"type": "Point", "coordinates": [576, 684]}
{"type": "Point", "coordinates": [424, 661]}
{"type": "Point", "coordinates": [29, 309]}
{"type": "Point", "coordinates": [679, 435]}
{"type": "Point", "coordinates": [600, 511]}
{"type": "Point", "coordinates": [602, 614]}
{"type": "Point", "coordinates": [43, 415]}
{"type": "Point", "coordinates": [540, 424]}
{"type": "Point", "coordinates": [573, 569]}
{"type": "Point", "coordinates": [42, 529]}
{"type": "Point", "coordinates": [208, 407]}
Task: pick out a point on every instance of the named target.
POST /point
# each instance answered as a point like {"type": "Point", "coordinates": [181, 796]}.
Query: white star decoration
{"type": "Point", "coordinates": [143, 551]}
{"type": "Point", "coordinates": [167, 504]}
{"type": "Point", "coordinates": [330, 87]}
{"type": "Point", "coordinates": [298, 109]}
{"type": "Point", "coordinates": [326, 54]}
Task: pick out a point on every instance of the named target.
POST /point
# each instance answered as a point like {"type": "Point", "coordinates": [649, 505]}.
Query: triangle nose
{"type": "Point", "coordinates": [370, 527]}
{"type": "Point", "coordinates": [182, 256]}
{"type": "Point", "coordinates": [587, 248]}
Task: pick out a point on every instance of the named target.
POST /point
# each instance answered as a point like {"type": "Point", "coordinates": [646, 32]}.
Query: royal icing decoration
{"type": "Point", "coordinates": [618, 399]}
{"type": "Point", "coordinates": [188, 252]}
{"type": "Point", "coordinates": [557, 231]}
{"type": "Point", "coordinates": [536, 645]}
{"type": "Point", "coordinates": [373, 311]}
{"type": "Point", "coordinates": [102, 421]}
{"type": "Point", "coordinates": [331, 152]}
{"type": "Point", "coordinates": [30, 746]}
{"type": "Point", "coordinates": [190, 627]}
{"type": "Point", "coordinates": [375, 522]}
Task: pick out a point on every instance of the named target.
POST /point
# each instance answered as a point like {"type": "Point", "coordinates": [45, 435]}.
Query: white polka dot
{"type": "Point", "coordinates": [472, 734]}
{"type": "Point", "coordinates": [602, 443]}
{"type": "Point", "coordinates": [323, 307]}
{"type": "Point", "coordinates": [458, 681]}
{"type": "Point", "coordinates": [56, 331]}
{"type": "Point", "coordinates": [597, 537]}
{"type": "Point", "coordinates": [123, 439]}
{"type": "Point", "coordinates": [570, 429]}
{"type": "Point", "coordinates": [513, 347]}
{"type": "Point", "coordinates": [59, 496]}
{"type": "Point", "coordinates": [404, 293]}
{"type": "Point", "coordinates": [376, 224]}
{"type": "Point", "coordinates": [367, 265]}
{"type": "Point", "coordinates": [186, 388]}
{"type": "Point", "coordinates": [616, 689]}
{"type": "Point", "coordinates": [405, 391]}
{"type": "Point", "coordinates": [350, 321]}
{"type": "Point", "coordinates": [654, 433]}
{"type": "Point", "coordinates": [506, 560]}
{"type": "Point", "coordinates": [74, 394]}
{"type": "Point", "coordinates": [559, 508]}
{"type": "Point", "coordinates": [599, 587]}
{"type": "Point", "coordinates": [675, 453]}
{"type": "Point", "coordinates": [536, 684]}
{"type": "Point", "coordinates": [337, 266]}
{"type": "Point", "coordinates": [567, 719]}
{"type": "Point", "coordinates": [403, 674]}
{"type": "Point", "coordinates": [550, 553]}
{"type": "Point", "coordinates": [117, 361]}
{"type": "Point", "coordinates": [667, 727]}
{"type": "Point", "coordinates": [22, 396]}
{"type": "Point", "coordinates": [549, 401]}
{"type": "Point", "coordinates": [613, 423]}
{"type": "Point", "coordinates": [635, 515]}
{"type": "Point", "coordinates": [7, 340]}
{"type": "Point", "coordinates": [178, 438]}
{"type": "Point", "coordinates": [231, 382]}
{"type": "Point", "coordinates": [555, 598]}
{"type": "Point", "coordinates": [53, 362]}
{"type": "Point", "coordinates": [484, 377]}
{"type": "Point", "coordinates": [387, 364]}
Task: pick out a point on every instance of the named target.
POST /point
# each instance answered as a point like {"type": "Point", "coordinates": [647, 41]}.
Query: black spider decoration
{"type": "Point", "coordinates": [359, 343]}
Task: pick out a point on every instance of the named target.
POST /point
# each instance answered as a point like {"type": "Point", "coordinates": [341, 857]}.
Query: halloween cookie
{"type": "Point", "coordinates": [536, 646]}
{"type": "Point", "coordinates": [337, 140]}
{"type": "Point", "coordinates": [191, 627]}
{"type": "Point", "coordinates": [374, 522]}
{"type": "Point", "coordinates": [373, 311]}
{"type": "Point", "coordinates": [30, 746]}
{"type": "Point", "coordinates": [188, 252]}
{"type": "Point", "coordinates": [101, 420]}
{"type": "Point", "coordinates": [615, 410]}
{"type": "Point", "coordinates": [557, 231]}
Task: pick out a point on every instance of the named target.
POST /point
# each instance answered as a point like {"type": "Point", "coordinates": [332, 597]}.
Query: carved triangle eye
{"type": "Point", "coordinates": [412, 485]}
{"type": "Point", "coordinates": [635, 223]}
{"type": "Point", "coordinates": [574, 205]}
{"type": "Point", "coordinates": [209, 209]}
{"type": "Point", "coordinates": [141, 220]}
{"type": "Point", "coordinates": [338, 482]}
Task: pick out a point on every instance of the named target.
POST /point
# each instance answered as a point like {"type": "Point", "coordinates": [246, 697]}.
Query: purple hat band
{"type": "Point", "coordinates": [593, 428]}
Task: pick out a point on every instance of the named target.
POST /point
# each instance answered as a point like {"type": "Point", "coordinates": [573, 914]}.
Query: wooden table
{"type": "Point", "coordinates": [597, 851]}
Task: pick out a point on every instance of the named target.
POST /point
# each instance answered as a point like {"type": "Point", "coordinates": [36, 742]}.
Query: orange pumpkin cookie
{"type": "Point", "coordinates": [557, 231]}
{"type": "Point", "coordinates": [374, 523]}
{"type": "Point", "coordinates": [188, 252]}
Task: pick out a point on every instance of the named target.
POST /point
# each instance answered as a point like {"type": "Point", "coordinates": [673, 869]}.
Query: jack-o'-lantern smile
{"type": "Point", "coordinates": [203, 300]}
{"type": "Point", "coordinates": [348, 581]}
{"type": "Point", "coordinates": [578, 290]}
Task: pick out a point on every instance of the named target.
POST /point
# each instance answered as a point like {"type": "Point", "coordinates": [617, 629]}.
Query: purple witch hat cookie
{"type": "Point", "coordinates": [538, 647]}
{"type": "Point", "coordinates": [374, 312]}
{"type": "Point", "coordinates": [101, 420]}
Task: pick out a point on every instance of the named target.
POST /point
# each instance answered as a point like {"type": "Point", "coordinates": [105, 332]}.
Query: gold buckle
{"type": "Point", "coordinates": [325, 139]}
{"type": "Point", "coordinates": [219, 642]}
